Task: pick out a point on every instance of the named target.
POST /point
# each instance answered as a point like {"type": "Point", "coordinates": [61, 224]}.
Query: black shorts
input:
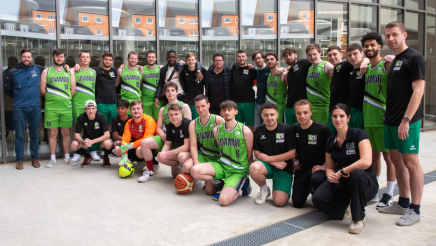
{"type": "Point", "coordinates": [131, 154]}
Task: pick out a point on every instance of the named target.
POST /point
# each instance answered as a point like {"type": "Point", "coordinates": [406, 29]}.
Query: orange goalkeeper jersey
{"type": "Point", "coordinates": [138, 130]}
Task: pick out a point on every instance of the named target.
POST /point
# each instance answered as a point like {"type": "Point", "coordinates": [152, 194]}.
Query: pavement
{"type": "Point", "coordinates": [69, 205]}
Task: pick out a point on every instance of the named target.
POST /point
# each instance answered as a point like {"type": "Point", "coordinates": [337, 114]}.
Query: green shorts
{"type": "Point", "coordinates": [76, 112]}
{"type": "Point", "coordinates": [161, 144]}
{"type": "Point", "coordinates": [206, 158]}
{"type": "Point", "coordinates": [320, 113]}
{"type": "Point", "coordinates": [282, 110]}
{"type": "Point", "coordinates": [232, 178]}
{"type": "Point", "coordinates": [94, 147]}
{"type": "Point", "coordinates": [282, 180]}
{"type": "Point", "coordinates": [330, 125]}
{"type": "Point", "coordinates": [377, 138]}
{"type": "Point", "coordinates": [109, 111]}
{"type": "Point", "coordinates": [193, 111]}
{"type": "Point", "coordinates": [408, 146]}
{"type": "Point", "coordinates": [58, 118]}
{"type": "Point", "coordinates": [245, 113]}
{"type": "Point", "coordinates": [150, 109]}
{"type": "Point", "coordinates": [290, 116]}
{"type": "Point", "coordinates": [356, 120]}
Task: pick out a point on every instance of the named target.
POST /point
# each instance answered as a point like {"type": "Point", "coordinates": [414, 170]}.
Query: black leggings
{"type": "Point", "coordinates": [304, 182]}
{"type": "Point", "coordinates": [333, 199]}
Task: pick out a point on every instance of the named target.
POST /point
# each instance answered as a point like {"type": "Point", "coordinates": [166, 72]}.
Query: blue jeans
{"type": "Point", "coordinates": [257, 115]}
{"type": "Point", "coordinates": [32, 116]}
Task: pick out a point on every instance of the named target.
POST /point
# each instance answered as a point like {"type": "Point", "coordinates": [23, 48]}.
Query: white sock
{"type": "Point", "coordinates": [53, 157]}
{"type": "Point", "coordinates": [377, 179]}
{"type": "Point", "coordinates": [390, 188]}
{"type": "Point", "coordinates": [67, 157]}
{"type": "Point", "coordinates": [265, 188]}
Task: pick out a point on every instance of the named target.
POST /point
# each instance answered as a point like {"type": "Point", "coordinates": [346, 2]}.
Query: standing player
{"type": "Point", "coordinates": [311, 138]}
{"type": "Point", "coordinates": [130, 78]}
{"type": "Point", "coordinates": [150, 80]}
{"type": "Point", "coordinates": [374, 109]}
{"type": "Point", "coordinates": [276, 86]}
{"type": "Point", "coordinates": [119, 121]}
{"type": "Point", "coordinates": [236, 144]}
{"type": "Point", "coordinates": [406, 83]}
{"type": "Point", "coordinates": [318, 84]}
{"type": "Point", "coordinates": [242, 89]}
{"type": "Point", "coordinates": [357, 86]}
{"type": "Point", "coordinates": [274, 147]}
{"type": "Point", "coordinates": [58, 86]}
{"type": "Point", "coordinates": [193, 85]}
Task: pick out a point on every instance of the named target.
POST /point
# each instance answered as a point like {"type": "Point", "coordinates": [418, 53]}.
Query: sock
{"type": "Point", "coordinates": [378, 178]}
{"type": "Point", "coordinates": [53, 157]}
{"type": "Point", "coordinates": [404, 202]}
{"type": "Point", "coordinates": [87, 155]}
{"type": "Point", "coordinates": [67, 157]}
{"type": "Point", "coordinates": [265, 188]}
{"type": "Point", "coordinates": [106, 153]}
{"type": "Point", "coordinates": [149, 165]}
{"type": "Point", "coordinates": [415, 207]}
{"type": "Point", "coordinates": [390, 188]}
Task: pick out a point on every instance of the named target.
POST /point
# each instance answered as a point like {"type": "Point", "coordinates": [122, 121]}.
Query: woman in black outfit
{"type": "Point", "coordinates": [349, 172]}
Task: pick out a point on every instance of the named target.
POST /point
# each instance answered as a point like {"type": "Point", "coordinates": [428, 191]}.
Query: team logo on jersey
{"type": "Point", "coordinates": [379, 68]}
{"type": "Point", "coordinates": [140, 128]}
{"type": "Point", "coordinates": [319, 68]}
{"type": "Point", "coordinates": [174, 131]}
{"type": "Point", "coordinates": [86, 123]}
{"type": "Point", "coordinates": [350, 149]}
{"type": "Point", "coordinates": [338, 68]}
{"type": "Point", "coordinates": [187, 74]}
{"type": "Point", "coordinates": [312, 139]}
{"type": "Point", "coordinates": [245, 71]}
{"type": "Point", "coordinates": [33, 73]}
{"type": "Point", "coordinates": [412, 147]}
{"type": "Point", "coordinates": [263, 137]}
{"type": "Point", "coordinates": [237, 134]}
{"type": "Point", "coordinates": [212, 125]}
{"type": "Point", "coordinates": [295, 67]}
{"type": "Point", "coordinates": [398, 65]}
{"type": "Point", "coordinates": [297, 135]}
{"type": "Point", "coordinates": [111, 74]}
{"type": "Point", "coordinates": [181, 134]}
{"type": "Point", "coordinates": [280, 137]}
{"type": "Point", "coordinates": [96, 125]}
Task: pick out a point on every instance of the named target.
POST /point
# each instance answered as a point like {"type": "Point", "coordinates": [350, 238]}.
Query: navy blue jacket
{"type": "Point", "coordinates": [228, 80]}
{"type": "Point", "coordinates": [22, 84]}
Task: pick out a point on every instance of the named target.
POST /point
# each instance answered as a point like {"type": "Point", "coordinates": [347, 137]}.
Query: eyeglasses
{"type": "Point", "coordinates": [257, 58]}
{"type": "Point", "coordinates": [218, 61]}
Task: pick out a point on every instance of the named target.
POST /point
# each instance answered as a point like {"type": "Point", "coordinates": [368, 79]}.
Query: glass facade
{"type": "Point", "coordinates": [200, 26]}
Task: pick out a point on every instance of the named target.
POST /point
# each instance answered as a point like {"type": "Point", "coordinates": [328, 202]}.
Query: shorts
{"type": "Point", "coordinates": [377, 138]}
{"type": "Point", "coordinates": [109, 111]}
{"type": "Point", "coordinates": [161, 144]}
{"type": "Point", "coordinates": [76, 112]}
{"type": "Point", "coordinates": [151, 110]}
{"type": "Point", "coordinates": [58, 118]}
{"type": "Point", "coordinates": [232, 178]}
{"type": "Point", "coordinates": [281, 109]}
{"type": "Point", "coordinates": [206, 158]}
{"type": "Point", "coordinates": [330, 125]}
{"type": "Point", "coordinates": [408, 146]}
{"type": "Point", "coordinates": [356, 120]}
{"type": "Point", "coordinates": [94, 147]}
{"type": "Point", "coordinates": [320, 113]}
{"type": "Point", "coordinates": [290, 116]}
{"type": "Point", "coordinates": [193, 111]}
{"type": "Point", "coordinates": [282, 180]}
{"type": "Point", "coordinates": [131, 155]}
{"type": "Point", "coordinates": [245, 113]}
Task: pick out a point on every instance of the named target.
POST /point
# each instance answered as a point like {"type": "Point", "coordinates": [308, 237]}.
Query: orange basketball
{"type": "Point", "coordinates": [184, 183]}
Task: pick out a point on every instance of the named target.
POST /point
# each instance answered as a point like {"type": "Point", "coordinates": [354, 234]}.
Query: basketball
{"type": "Point", "coordinates": [184, 183]}
{"type": "Point", "coordinates": [126, 171]}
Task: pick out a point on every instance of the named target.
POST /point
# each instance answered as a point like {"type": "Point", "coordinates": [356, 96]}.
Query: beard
{"type": "Point", "coordinates": [374, 55]}
{"type": "Point", "coordinates": [57, 64]}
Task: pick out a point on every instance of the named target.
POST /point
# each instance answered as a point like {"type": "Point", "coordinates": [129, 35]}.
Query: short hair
{"type": "Point", "coordinates": [241, 51]}
{"type": "Point", "coordinates": [303, 102]}
{"type": "Point", "coordinates": [217, 54]}
{"type": "Point", "coordinates": [190, 54]}
{"type": "Point", "coordinates": [353, 47]}
{"type": "Point", "coordinates": [272, 54]}
{"type": "Point", "coordinates": [84, 51]}
{"type": "Point", "coordinates": [342, 107]}
{"type": "Point", "coordinates": [269, 105]}
{"type": "Point", "coordinates": [170, 84]}
{"type": "Point", "coordinates": [175, 107]}
{"type": "Point", "coordinates": [288, 50]}
{"type": "Point", "coordinates": [132, 53]}
{"type": "Point", "coordinates": [58, 52]}
{"type": "Point", "coordinates": [228, 104]}
{"type": "Point", "coordinates": [313, 46]}
{"type": "Point", "coordinates": [372, 36]}
{"type": "Point", "coordinates": [258, 52]}
{"type": "Point", "coordinates": [136, 102]}
{"type": "Point", "coordinates": [25, 50]}
{"type": "Point", "coordinates": [334, 47]}
{"type": "Point", "coordinates": [151, 52]}
{"type": "Point", "coordinates": [398, 24]}
{"type": "Point", "coordinates": [201, 97]}
{"type": "Point", "coordinates": [107, 54]}
{"type": "Point", "coordinates": [171, 51]}
{"type": "Point", "coordinates": [123, 103]}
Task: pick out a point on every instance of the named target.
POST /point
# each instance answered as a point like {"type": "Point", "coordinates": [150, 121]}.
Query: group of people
{"type": "Point", "coordinates": [321, 126]}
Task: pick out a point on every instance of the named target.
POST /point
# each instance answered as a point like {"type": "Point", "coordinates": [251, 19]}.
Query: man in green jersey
{"type": "Point", "coordinates": [130, 78]}
{"type": "Point", "coordinates": [236, 145]}
{"type": "Point", "coordinates": [374, 108]}
{"type": "Point", "coordinates": [150, 81]}
{"type": "Point", "coordinates": [58, 86]}
{"type": "Point", "coordinates": [204, 147]}
{"type": "Point", "coordinates": [318, 83]}
{"type": "Point", "coordinates": [276, 90]}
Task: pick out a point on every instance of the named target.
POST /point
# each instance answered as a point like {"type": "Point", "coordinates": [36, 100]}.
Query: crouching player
{"type": "Point", "coordinates": [96, 134]}
{"type": "Point", "coordinates": [236, 144]}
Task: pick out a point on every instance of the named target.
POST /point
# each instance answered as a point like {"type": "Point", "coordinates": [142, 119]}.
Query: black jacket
{"type": "Point", "coordinates": [228, 80]}
{"type": "Point", "coordinates": [179, 68]}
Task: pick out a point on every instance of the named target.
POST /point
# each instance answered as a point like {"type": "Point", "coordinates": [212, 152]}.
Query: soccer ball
{"type": "Point", "coordinates": [126, 171]}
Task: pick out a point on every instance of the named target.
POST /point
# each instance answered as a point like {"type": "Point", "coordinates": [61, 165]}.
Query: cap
{"type": "Point", "coordinates": [90, 103]}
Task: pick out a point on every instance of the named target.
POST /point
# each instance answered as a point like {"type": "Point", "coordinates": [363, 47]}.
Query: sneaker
{"type": "Point", "coordinates": [101, 154]}
{"type": "Point", "coordinates": [347, 212]}
{"type": "Point", "coordinates": [219, 184]}
{"type": "Point", "coordinates": [106, 162]}
{"type": "Point", "coordinates": [95, 156]}
{"type": "Point", "coordinates": [146, 176]}
{"type": "Point", "coordinates": [395, 208]}
{"type": "Point", "coordinates": [357, 227]}
{"type": "Point", "coordinates": [75, 159]}
{"type": "Point", "coordinates": [156, 168]}
{"type": "Point", "coordinates": [409, 218]}
{"type": "Point", "coordinates": [375, 199]}
{"type": "Point", "coordinates": [262, 196]}
{"type": "Point", "coordinates": [246, 187]}
{"type": "Point", "coordinates": [386, 201]}
{"type": "Point", "coordinates": [51, 163]}
{"type": "Point", "coordinates": [216, 196]}
{"type": "Point", "coordinates": [86, 162]}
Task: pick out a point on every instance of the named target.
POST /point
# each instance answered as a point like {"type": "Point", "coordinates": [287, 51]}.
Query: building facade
{"type": "Point", "coordinates": [200, 26]}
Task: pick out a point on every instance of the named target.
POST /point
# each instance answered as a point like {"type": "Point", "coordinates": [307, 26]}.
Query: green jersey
{"type": "Point", "coordinates": [206, 141]}
{"type": "Point", "coordinates": [232, 147]}
{"type": "Point", "coordinates": [130, 84]}
{"type": "Point", "coordinates": [150, 81]}
{"type": "Point", "coordinates": [165, 116]}
{"type": "Point", "coordinates": [58, 95]}
{"type": "Point", "coordinates": [318, 85]}
{"type": "Point", "coordinates": [276, 91]}
{"type": "Point", "coordinates": [85, 87]}
{"type": "Point", "coordinates": [374, 101]}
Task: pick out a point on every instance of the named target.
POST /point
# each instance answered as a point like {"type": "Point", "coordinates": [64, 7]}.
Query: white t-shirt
{"type": "Point", "coordinates": [174, 79]}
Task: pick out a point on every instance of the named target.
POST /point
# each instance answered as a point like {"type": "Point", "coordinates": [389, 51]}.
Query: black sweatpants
{"type": "Point", "coordinates": [333, 199]}
{"type": "Point", "coordinates": [304, 182]}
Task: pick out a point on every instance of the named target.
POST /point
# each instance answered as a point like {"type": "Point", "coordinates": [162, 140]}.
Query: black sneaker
{"type": "Point", "coordinates": [386, 201]}
{"type": "Point", "coordinates": [246, 187]}
{"type": "Point", "coordinates": [218, 187]}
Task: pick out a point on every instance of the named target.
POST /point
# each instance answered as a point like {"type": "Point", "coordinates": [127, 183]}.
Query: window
{"type": "Point", "coordinates": [209, 33]}
{"type": "Point", "coordinates": [344, 27]}
{"type": "Point", "coordinates": [251, 31]}
{"type": "Point", "coordinates": [149, 20]}
{"type": "Point", "coordinates": [164, 32]}
{"type": "Point", "coordinates": [226, 20]}
{"type": "Point", "coordinates": [24, 28]}
{"type": "Point", "coordinates": [305, 16]}
{"type": "Point", "coordinates": [98, 32]}
{"type": "Point", "coordinates": [121, 32]}
{"type": "Point", "coordinates": [98, 20]}
{"type": "Point", "coordinates": [181, 20]}
{"type": "Point", "coordinates": [38, 16]}
{"type": "Point", "coordinates": [193, 33]}
{"type": "Point", "coordinates": [236, 32]}
{"type": "Point", "coordinates": [149, 33]}
{"type": "Point", "coordinates": [284, 30]}
{"type": "Point", "coordinates": [85, 18]}
{"type": "Point", "coordinates": [270, 18]}
{"type": "Point", "coordinates": [193, 21]}
{"type": "Point", "coordinates": [52, 31]}
{"type": "Point", "coordinates": [9, 27]}
{"type": "Point", "coordinates": [138, 20]}
{"type": "Point", "coordinates": [69, 30]}
{"type": "Point", "coordinates": [51, 17]}
{"type": "Point", "coordinates": [236, 20]}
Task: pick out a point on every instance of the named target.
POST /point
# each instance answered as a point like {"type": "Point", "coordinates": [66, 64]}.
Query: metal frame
{"type": "Point", "coordinates": [157, 31]}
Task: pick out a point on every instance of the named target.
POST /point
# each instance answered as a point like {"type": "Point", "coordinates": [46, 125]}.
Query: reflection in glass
{"type": "Point", "coordinates": [393, 2]}
{"type": "Point", "coordinates": [431, 6]}
{"type": "Point", "coordinates": [430, 80]}
{"type": "Point", "coordinates": [363, 20]}
{"type": "Point", "coordinates": [387, 16]}
{"type": "Point", "coordinates": [416, 4]}
{"type": "Point", "coordinates": [415, 32]}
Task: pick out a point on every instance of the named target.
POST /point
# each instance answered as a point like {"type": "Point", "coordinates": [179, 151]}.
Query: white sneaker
{"type": "Point", "coordinates": [146, 176]}
{"type": "Point", "coordinates": [95, 156]}
{"type": "Point", "coordinates": [68, 162]}
{"type": "Point", "coordinates": [51, 163]}
{"type": "Point", "coordinates": [262, 196]}
{"type": "Point", "coordinates": [75, 159]}
{"type": "Point", "coordinates": [156, 168]}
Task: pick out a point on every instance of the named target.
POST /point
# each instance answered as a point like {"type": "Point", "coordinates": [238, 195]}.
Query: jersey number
{"type": "Point", "coordinates": [379, 89]}
{"type": "Point", "coordinates": [93, 85]}
{"type": "Point", "coordinates": [275, 92]}
{"type": "Point", "coordinates": [316, 84]}
{"type": "Point", "coordinates": [48, 123]}
{"type": "Point", "coordinates": [66, 86]}
{"type": "Point", "coordinates": [215, 144]}
{"type": "Point", "coordinates": [137, 84]}
{"type": "Point", "coordinates": [237, 153]}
